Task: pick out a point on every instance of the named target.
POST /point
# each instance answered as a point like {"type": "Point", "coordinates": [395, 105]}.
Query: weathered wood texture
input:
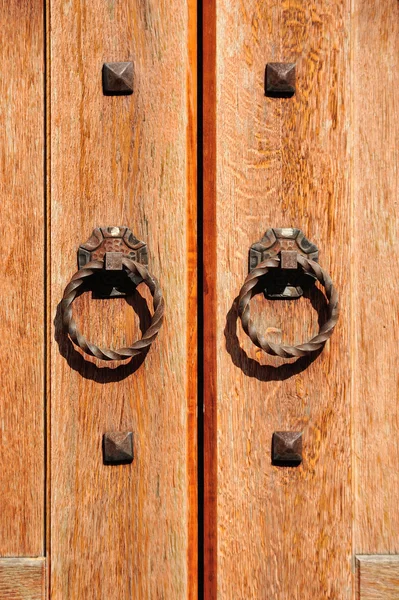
{"type": "Point", "coordinates": [377, 577]}
{"type": "Point", "coordinates": [126, 531]}
{"type": "Point", "coordinates": [22, 279]}
{"type": "Point", "coordinates": [22, 578]}
{"type": "Point", "coordinates": [282, 533]}
{"type": "Point", "coordinates": [376, 270]}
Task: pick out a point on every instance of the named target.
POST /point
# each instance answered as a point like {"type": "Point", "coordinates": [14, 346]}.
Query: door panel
{"type": "Point", "coordinates": [281, 533]}
{"type": "Point", "coordinates": [376, 270]}
{"type": "Point", "coordinates": [129, 530]}
{"type": "Point", "coordinates": [22, 279]}
{"type": "Point", "coordinates": [324, 161]}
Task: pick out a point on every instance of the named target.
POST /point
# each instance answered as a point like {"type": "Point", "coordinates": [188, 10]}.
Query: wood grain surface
{"type": "Point", "coordinates": [377, 577]}
{"type": "Point", "coordinates": [282, 533]}
{"type": "Point", "coordinates": [376, 271]}
{"type": "Point", "coordinates": [324, 161]}
{"type": "Point", "coordinates": [22, 578]}
{"type": "Point", "coordinates": [127, 531]}
{"type": "Point", "coordinates": [210, 300]}
{"type": "Point", "coordinates": [22, 279]}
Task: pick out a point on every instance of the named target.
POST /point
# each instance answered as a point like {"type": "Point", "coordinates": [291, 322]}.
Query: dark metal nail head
{"type": "Point", "coordinates": [118, 79]}
{"type": "Point", "coordinates": [280, 80]}
{"type": "Point", "coordinates": [118, 447]}
{"type": "Point", "coordinates": [287, 448]}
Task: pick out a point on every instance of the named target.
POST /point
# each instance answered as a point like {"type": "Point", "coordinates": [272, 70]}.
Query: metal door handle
{"type": "Point", "coordinates": [114, 249]}
{"type": "Point", "coordinates": [285, 249]}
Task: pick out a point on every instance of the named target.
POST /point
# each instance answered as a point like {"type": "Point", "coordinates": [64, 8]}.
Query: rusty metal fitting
{"type": "Point", "coordinates": [248, 291]}
{"type": "Point", "coordinates": [135, 271]}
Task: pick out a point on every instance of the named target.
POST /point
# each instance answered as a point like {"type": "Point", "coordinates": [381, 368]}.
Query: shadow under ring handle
{"type": "Point", "coordinates": [75, 286]}
{"type": "Point", "coordinates": [325, 332]}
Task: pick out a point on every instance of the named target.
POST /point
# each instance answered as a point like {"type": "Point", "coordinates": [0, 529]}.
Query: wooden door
{"type": "Point", "coordinates": [200, 511]}
{"type": "Point", "coordinates": [74, 159]}
{"type": "Point", "coordinates": [324, 161]}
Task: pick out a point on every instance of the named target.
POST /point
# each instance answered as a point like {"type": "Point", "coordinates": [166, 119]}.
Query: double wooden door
{"type": "Point", "coordinates": [199, 162]}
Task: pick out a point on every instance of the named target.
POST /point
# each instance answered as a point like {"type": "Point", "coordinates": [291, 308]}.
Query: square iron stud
{"type": "Point", "coordinates": [118, 447]}
{"type": "Point", "coordinates": [287, 448]}
{"type": "Point", "coordinates": [289, 259]}
{"type": "Point", "coordinates": [118, 79]}
{"type": "Point", "coordinates": [280, 80]}
{"type": "Point", "coordinates": [113, 261]}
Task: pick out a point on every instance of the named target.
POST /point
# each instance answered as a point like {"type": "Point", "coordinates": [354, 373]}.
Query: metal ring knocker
{"type": "Point", "coordinates": [286, 248]}
{"type": "Point", "coordinates": [113, 249]}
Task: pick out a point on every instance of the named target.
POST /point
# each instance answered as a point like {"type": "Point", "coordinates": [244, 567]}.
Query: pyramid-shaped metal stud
{"type": "Point", "coordinates": [118, 79]}
{"type": "Point", "coordinates": [118, 447]}
{"type": "Point", "coordinates": [287, 448]}
{"type": "Point", "coordinates": [280, 80]}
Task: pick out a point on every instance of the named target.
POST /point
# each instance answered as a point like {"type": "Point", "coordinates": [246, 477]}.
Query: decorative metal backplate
{"type": "Point", "coordinates": [288, 282]}
{"type": "Point", "coordinates": [113, 284]}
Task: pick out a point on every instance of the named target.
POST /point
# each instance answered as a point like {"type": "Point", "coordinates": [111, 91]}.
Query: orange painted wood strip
{"type": "Point", "coordinates": [210, 300]}
{"type": "Point", "coordinates": [192, 302]}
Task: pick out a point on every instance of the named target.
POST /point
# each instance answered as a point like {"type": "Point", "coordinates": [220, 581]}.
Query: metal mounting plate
{"type": "Point", "coordinates": [287, 282]}
{"type": "Point", "coordinates": [113, 284]}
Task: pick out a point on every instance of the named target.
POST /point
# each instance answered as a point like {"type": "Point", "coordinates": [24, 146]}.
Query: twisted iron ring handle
{"type": "Point", "coordinates": [74, 287]}
{"type": "Point", "coordinates": [259, 340]}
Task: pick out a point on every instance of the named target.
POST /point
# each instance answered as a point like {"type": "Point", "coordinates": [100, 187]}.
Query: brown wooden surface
{"type": "Point", "coordinates": [377, 577]}
{"type": "Point", "coordinates": [282, 533]}
{"type": "Point", "coordinates": [22, 279]}
{"type": "Point", "coordinates": [127, 531]}
{"type": "Point", "coordinates": [376, 268]}
{"type": "Point", "coordinates": [22, 578]}
{"type": "Point", "coordinates": [210, 547]}
{"type": "Point", "coordinates": [192, 300]}
{"type": "Point", "coordinates": [324, 161]}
